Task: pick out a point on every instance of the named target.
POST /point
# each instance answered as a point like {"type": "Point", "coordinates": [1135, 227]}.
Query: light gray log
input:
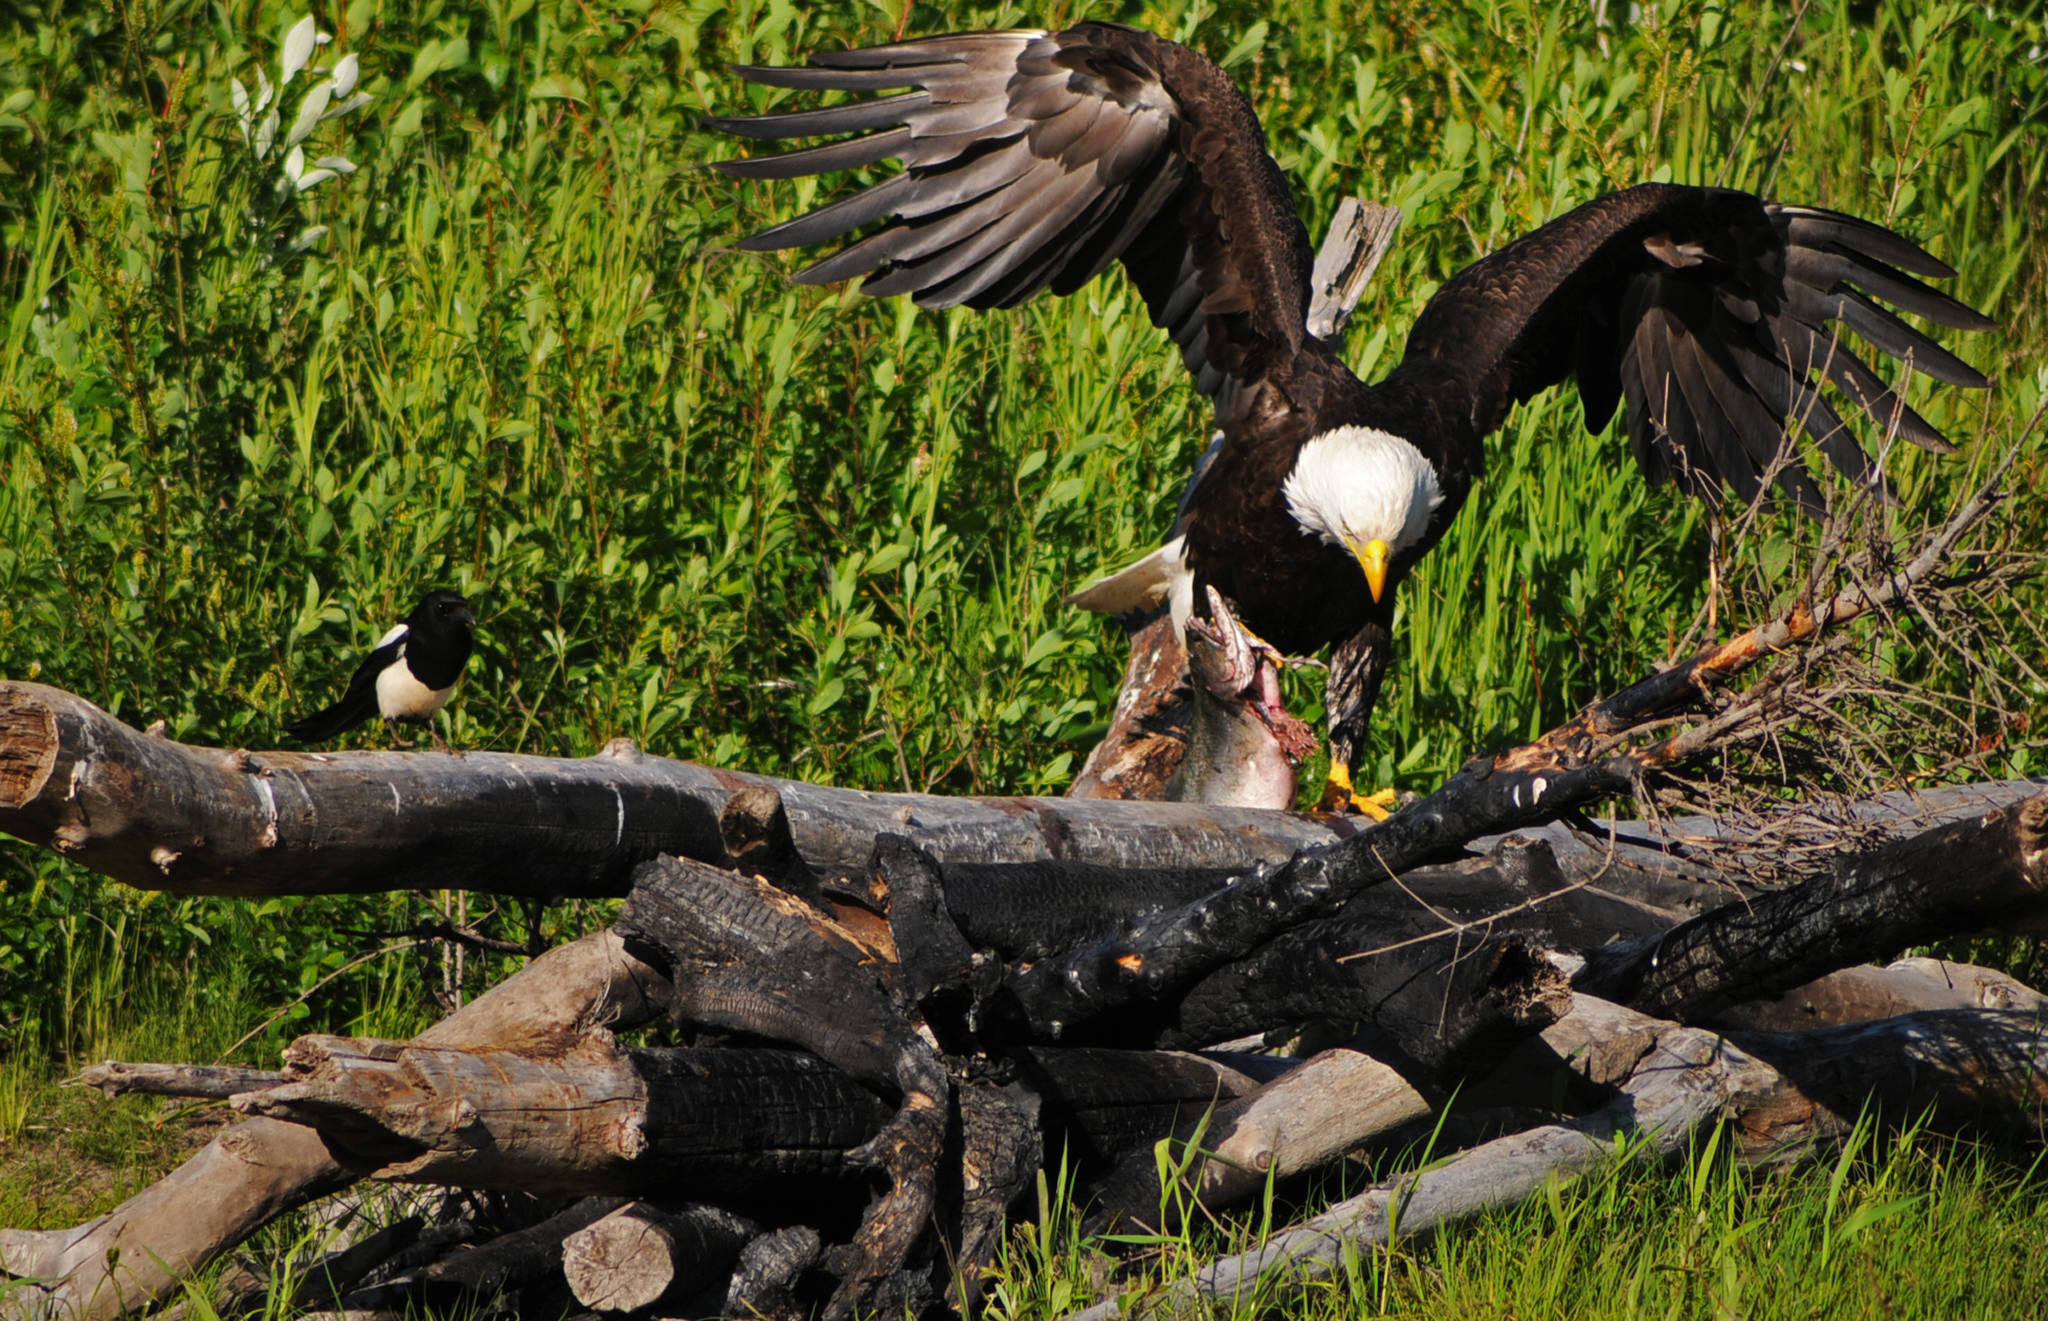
{"type": "Point", "coordinates": [1861, 994]}
{"type": "Point", "coordinates": [1301, 1121]}
{"type": "Point", "coordinates": [167, 816]}
{"type": "Point", "coordinates": [209, 1081]}
{"type": "Point", "coordinates": [1359, 235]}
{"type": "Point", "coordinates": [1684, 1077]}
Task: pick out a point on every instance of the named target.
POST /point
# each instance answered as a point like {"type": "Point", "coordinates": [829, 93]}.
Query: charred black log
{"type": "Point", "coordinates": [764, 1283]}
{"type": "Point", "coordinates": [522, 1269]}
{"type": "Point", "coordinates": [754, 828]}
{"type": "Point", "coordinates": [744, 956]}
{"type": "Point", "coordinates": [1951, 880]}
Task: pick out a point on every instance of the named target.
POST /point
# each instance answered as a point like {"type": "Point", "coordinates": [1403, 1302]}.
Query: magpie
{"type": "Point", "coordinates": [409, 676]}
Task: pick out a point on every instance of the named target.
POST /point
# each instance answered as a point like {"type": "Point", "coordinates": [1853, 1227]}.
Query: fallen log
{"type": "Point", "coordinates": [1299, 1122]}
{"type": "Point", "coordinates": [161, 815]}
{"type": "Point", "coordinates": [598, 1118]}
{"type": "Point", "coordinates": [1858, 995]}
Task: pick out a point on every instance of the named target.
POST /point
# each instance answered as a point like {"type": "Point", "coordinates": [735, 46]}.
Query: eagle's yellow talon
{"type": "Point", "coordinates": [1378, 805]}
{"type": "Point", "coordinates": [1339, 797]}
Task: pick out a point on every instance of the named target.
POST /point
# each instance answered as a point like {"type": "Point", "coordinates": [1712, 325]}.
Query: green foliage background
{"type": "Point", "coordinates": [789, 529]}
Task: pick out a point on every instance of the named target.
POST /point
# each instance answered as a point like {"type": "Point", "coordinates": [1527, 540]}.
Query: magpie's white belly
{"type": "Point", "coordinates": [400, 696]}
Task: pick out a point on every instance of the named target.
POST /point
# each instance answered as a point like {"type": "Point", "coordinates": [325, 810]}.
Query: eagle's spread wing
{"type": "Point", "coordinates": [1031, 161]}
{"type": "Point", "coordinates": [1715, 315]}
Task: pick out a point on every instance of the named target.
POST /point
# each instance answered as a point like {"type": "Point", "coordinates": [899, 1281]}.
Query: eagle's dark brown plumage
{"type": "Point", "coordinates": [1034, 160]}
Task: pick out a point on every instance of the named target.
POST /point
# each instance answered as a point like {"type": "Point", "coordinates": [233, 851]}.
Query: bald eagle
{"type": "Point", "coordinates": [1032, 160]}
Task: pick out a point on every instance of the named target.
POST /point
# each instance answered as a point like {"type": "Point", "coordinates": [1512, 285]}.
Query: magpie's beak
{"type": "Point", "coordinates": [468, 620]}
{"type": "Point", "coordinates": [1372, 557]}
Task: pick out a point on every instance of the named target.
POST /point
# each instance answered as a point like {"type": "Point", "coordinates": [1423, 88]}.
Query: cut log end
{"type": "Point", "coordinates": [28, 744]}
{"type": "Point", "coordinates": [2033, 833]}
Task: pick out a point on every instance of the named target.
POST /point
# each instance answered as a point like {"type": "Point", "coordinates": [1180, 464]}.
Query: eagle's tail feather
{"type": "Point", "coordinates": [1144, 585]}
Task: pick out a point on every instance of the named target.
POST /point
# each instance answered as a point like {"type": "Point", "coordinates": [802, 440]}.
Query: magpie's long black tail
{"type": "Point", "coordinates": [350, 711]}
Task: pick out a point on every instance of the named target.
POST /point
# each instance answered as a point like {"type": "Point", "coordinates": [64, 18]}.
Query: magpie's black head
{"type": "Point", "coordinates": [442, 614]}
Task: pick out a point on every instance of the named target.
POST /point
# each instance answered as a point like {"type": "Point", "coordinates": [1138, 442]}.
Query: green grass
{"type": "Point", "coordinates": [776, 528]}
{"type": "Point", "coordinates": [1918, 1227]}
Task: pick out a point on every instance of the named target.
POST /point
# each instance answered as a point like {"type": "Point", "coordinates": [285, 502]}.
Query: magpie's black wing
{"type": "Point", "coordinates": [1716, 315]}
{"type": "Point", "coordinates": [1035, 159]}
{"type": "Point", "coordinates": [359, 703]}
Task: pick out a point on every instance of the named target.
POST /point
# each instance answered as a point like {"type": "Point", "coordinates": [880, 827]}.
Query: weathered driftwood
{"type": "Point", "coordinates": [1299, 1122]}
{"type": "Point", "coordinates": [254, 1172]}
{"type": "Point", "coordinates": [211, 1081]}
{"type": "Point", "coordinates": [1962, 1067]}
{"type": "Point", "coordinates": [166, 816]}
{"type": "Point", "coordinates": [640, 1255]}
{"type": "Point", "coordinates": [1947, 881]}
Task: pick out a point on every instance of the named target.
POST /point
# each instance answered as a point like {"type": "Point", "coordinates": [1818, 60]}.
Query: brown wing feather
{"type": "Point", "coordinates": [1715, 315]}
{"type": "Point", "coordinates": [1033, 160]}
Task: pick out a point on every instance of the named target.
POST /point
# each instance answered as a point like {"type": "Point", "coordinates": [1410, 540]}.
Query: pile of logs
{"type": "Point", "coordinates": [901, 1010]}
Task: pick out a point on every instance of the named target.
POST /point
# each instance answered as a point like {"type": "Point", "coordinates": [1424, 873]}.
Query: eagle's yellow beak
{"type": "Point", "coordinates": [1372, 557]}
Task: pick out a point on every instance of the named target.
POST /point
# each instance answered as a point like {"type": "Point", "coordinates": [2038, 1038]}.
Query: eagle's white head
{"type": "Point", "coordinates": [1365, 490]}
